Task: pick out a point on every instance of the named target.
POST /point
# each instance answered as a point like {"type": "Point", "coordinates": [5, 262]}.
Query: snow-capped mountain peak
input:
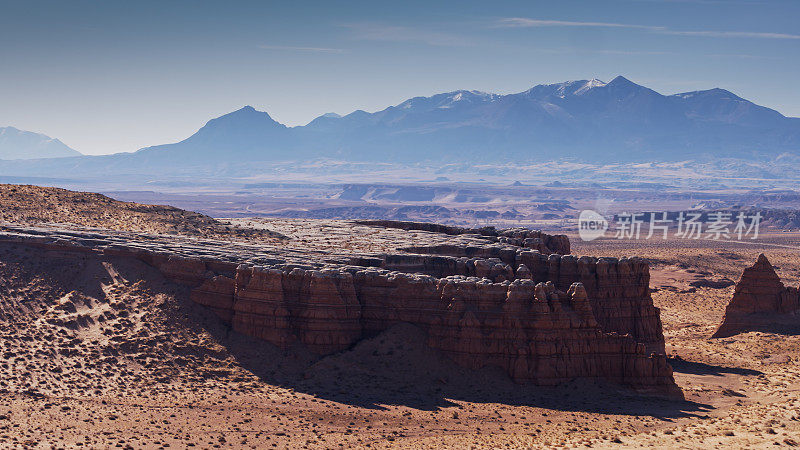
{"type": "Point", "coordinates": [593, 83]}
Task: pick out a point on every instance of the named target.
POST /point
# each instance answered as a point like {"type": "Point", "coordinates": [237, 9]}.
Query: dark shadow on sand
{"type": "Point", "coordinates": [397, 368]}
{"type": "Point", "coordinates": [696, 368]}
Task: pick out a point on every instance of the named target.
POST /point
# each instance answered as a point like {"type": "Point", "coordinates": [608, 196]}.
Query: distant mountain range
{"type": "Point", "coordinates": [19, 144]}
{"type": "Point", "coordinates": [584, 121]}
{"type": "Point", "coordinates": [590, 120]}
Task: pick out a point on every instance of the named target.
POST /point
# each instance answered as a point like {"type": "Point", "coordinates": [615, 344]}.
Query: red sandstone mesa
{"type": "Point", "coordinates": [761, 302]}
{"type": "Point", "coordinates": [534, 331]}
{"type": "Point", "coordinates": [557, 318]}
{"type": "Point", "coordinates": [543, 318]}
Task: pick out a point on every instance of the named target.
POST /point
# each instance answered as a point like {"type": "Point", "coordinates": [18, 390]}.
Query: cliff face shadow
{"type": "Point", "coordinates": [396, 367]}
{"type": "Point", "coordinates": [697, 368]}
{"type": "Point", "coordinates": [772, 323]}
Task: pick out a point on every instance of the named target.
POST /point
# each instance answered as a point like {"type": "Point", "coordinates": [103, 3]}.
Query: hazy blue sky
{"type": "Point", "coordinates": [115, 76]}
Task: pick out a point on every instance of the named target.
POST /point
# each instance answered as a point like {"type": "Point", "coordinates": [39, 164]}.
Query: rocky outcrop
{"type": "Point", "coordinates": [618, 289]}
{"type": "Point", "coordinates": [318, 308]}
{"type": "Point", "coordinates": [761, 302]}
{"type": "Point", "coordinates": [506, 254]}
{"type": "Point", "coordinates": [536, 331]}
{"type": "Point", "coordinates": [521, 237]}
{"type": "Point", "coordinates": [543, 318]}
{"type": "Point", "coordinates": [217, 293]}
{"type": "Point", "coordinates": [427, 226]}
{"type": "Point", "coordinates": [542, 335]}
{"type": "Point", "coordinates": [536, 240]}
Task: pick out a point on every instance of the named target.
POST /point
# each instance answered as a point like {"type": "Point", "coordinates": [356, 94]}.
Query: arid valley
{"type": "Point", "coordinates": [115, 331]}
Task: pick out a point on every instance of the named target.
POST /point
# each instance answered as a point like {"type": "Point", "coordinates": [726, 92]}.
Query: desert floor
{"type": "Point", "coordinates": [107, 353]}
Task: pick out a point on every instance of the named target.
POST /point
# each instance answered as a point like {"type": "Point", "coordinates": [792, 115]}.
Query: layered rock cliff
{"type": "Point", "coordinates": [542, 318]}
{"type": "Point", "coordinates": [618, 289]}
{"type": "Point", "coordinates": [533, 330]}
{"type": "Point", "coordinates": [761, 302]}
{"type": "Point", "coordinates": [523, 237]}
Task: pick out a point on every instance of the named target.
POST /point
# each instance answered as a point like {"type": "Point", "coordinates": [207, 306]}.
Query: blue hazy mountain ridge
{"type": "Point", "coordinates": [20, 144]}
{"type": "Point", "coordinates": [588, 120]}
{"type": "Point", "coordinates": [245, 133]}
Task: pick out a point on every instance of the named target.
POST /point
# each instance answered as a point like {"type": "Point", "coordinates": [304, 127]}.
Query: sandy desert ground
{"type": "Point", "coordinates": [108, 353]}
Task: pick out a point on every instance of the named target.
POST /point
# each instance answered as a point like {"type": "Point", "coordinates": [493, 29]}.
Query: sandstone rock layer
{"type": "Point", "coordinates": [761, 302]}
{"type": "Point", "coordinates": [543, 318]}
